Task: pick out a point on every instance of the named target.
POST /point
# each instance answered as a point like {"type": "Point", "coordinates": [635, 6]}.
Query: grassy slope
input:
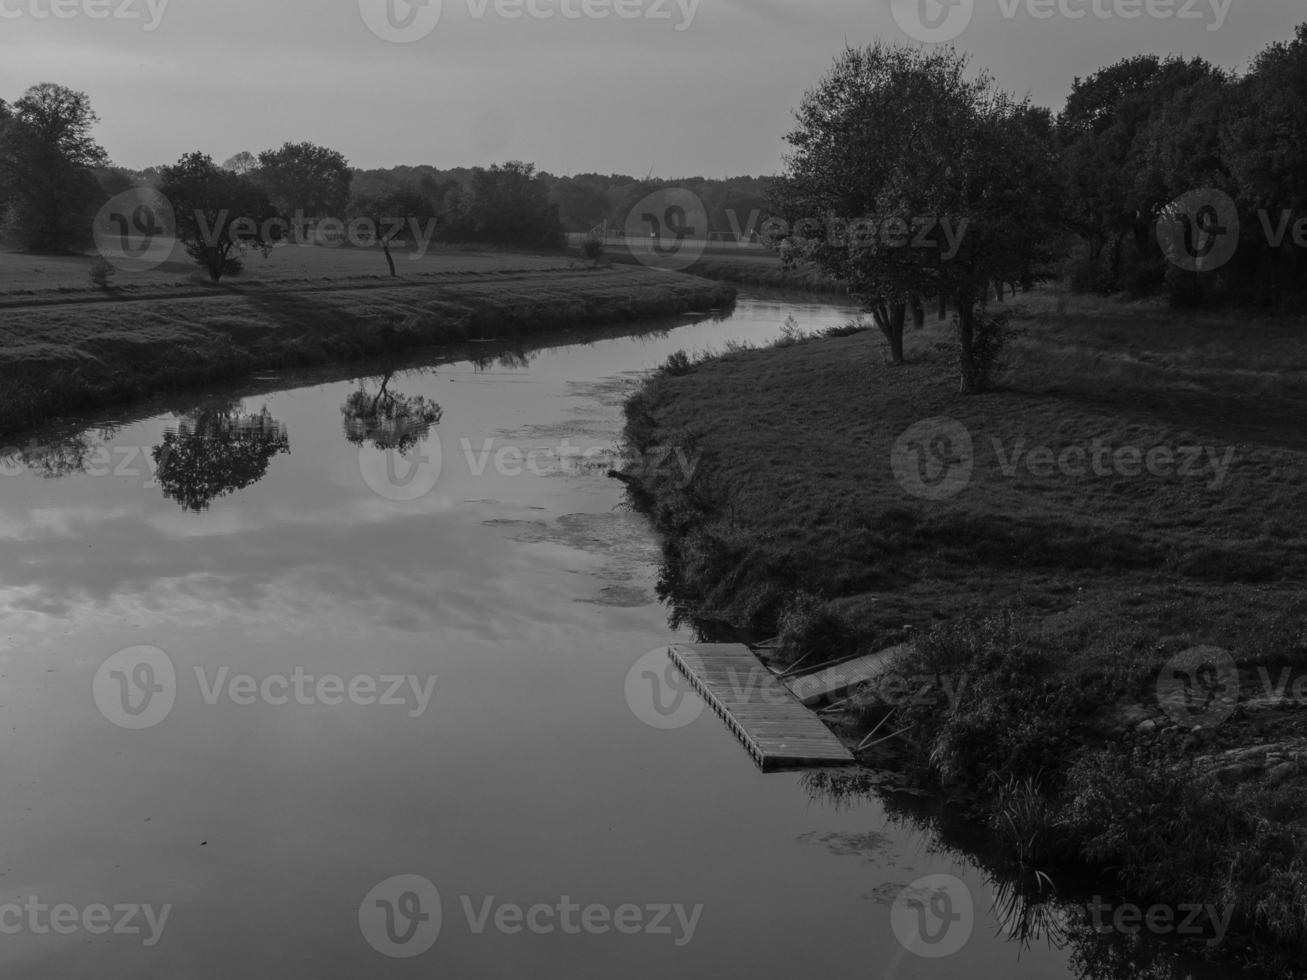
{"type": "Point", "coordinates": [1104, 578]}
{"type": "Point", "coordinates": [63, 349]}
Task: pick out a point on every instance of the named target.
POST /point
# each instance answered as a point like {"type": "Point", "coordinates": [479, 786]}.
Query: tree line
{"type": "Point", "coordinates": [911, 179]}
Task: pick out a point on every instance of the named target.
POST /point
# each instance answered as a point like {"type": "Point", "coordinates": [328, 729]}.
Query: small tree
{"type": "Point", "coordinates": [593, 248]}
{"type": "Point", "coordinates": [219, 214]}
{"type": "Point", "coordinates": [395, 217]}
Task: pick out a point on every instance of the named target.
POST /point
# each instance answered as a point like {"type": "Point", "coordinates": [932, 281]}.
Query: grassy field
{"type": "Point", "coordinates": [24, 275]}
{"type": "Point", "coordinates": [1058, 591]}
{"type": "Point", "coordinates": [66, 346]}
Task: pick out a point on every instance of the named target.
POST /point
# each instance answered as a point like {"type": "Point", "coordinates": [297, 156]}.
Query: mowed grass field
{"type": "Point", "coordinates": [66, 345]}
{"type": "Point", "coordinates": [24, 275]}
{"type": "Point", "coordinates": [799, 444]}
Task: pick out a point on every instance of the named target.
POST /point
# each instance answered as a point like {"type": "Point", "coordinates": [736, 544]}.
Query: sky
{"type": "Point", "coordinates": [676, 88]}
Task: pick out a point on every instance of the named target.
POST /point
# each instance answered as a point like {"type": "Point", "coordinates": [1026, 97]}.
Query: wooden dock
{"type": "Point", "coordinates": [839, 681]}
{"type": "Point", "coordinates": [778, 731]}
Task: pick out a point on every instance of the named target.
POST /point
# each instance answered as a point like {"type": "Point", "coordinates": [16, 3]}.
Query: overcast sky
{"type": "Point", "coordinates": [671, 88]}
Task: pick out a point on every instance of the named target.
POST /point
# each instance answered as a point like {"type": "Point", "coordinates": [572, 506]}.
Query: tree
{"type": "Point", "coordinates": [915, 178]}
{"type": "Point", "coordinates": [243, 164]}
{"type": "Point", "coordinates": [1105, 130]}
{"type": "Point", "coordinates": [508, 205]}
{"type": "Point", "coordinates": [390, 421]}
{"type": "Point", "coordinates": [1261, 141]}
{"type": "Point", "coordinates": [302, 178]}
{"type": "Point", "coordinates": [393, 216]}
{"type": "Point", "coordinates": [218, 213]}
{"type": "Point", "coordinates": [217, 450]}
{"type": "Point", "coordinates": [47, 161]}
{"type": "Point", "coordinates": [837, 191]}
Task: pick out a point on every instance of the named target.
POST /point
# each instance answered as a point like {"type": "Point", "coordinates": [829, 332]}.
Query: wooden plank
{"type": "Point", "coordinates": [836, 682]}
{"type": "Point", "coordinates": [769, 721]}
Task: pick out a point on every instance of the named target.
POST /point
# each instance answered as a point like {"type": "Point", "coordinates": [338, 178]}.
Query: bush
{"type": "Point", "coordinates": [593, 249]}
{"type": "Point", "coordinates": [102, 273]}
{"type": "Point", "coordinates": [808, 625]}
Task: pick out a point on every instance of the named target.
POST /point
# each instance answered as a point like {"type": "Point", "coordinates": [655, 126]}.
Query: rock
{"type": "Point", "coordinates": [1147, 727]}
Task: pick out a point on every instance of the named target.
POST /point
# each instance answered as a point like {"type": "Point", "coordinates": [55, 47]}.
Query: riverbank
{"type": "Point", "coordinates": [1132, 491]}
{"type": "Point", "coordinates": [66, 349]}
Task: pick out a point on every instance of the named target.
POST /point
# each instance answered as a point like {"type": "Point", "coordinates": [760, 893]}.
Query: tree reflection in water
{"type": "Point", "coordinates": [1027, 905]}
{"type": "Point", "coordinates": [215, 450]}
{"type": "Point", "coordinates": [389, 421]}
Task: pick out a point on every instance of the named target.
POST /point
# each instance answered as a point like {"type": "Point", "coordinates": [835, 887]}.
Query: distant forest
{"type": "Point", "coordinates": [1219, 154]}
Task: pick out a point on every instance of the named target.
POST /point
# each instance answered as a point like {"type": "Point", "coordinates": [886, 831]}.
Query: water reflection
{"type": "Point", "coordinates": [389, 420]}
{"type": "Point", "coordinates": [66, 454]}
{"type": "Point", "coordinates": [1029, 908]}
{"type": "Point", "coordinates": [216, 450]}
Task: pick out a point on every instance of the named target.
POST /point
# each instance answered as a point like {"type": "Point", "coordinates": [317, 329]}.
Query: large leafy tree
{"type": "Point", "coordinates": [306, 178]}
{"type": "Point", "coordinates": [218, 213]}
{"type": "Point", "coordinates": [909, 176]}
{"type": "Point", "coordinates": [1109, 123]}
{"type": "Point", "coordinates": [508, 204]}
{"type": "Point", "coordinates": [47, 167]}
{"type": "Point", "coordinates": [216, 450]}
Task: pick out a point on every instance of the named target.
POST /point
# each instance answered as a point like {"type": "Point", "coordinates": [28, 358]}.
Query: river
{"type": "Point", "coordinates": [286, 682]}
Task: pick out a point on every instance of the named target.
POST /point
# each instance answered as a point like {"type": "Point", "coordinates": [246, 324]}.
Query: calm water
{"type": "Point", "coordinates": [263, 815]}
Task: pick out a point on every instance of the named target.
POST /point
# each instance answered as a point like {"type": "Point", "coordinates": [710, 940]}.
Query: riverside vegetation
{"type": "Point", "coordinates": [1055, 598]}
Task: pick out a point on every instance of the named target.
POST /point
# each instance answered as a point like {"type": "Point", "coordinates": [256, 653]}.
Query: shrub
{"type": "Point", "coordinates": [102, 273]}
{"type": "Point", "coordinates": [808, 625]}
{"type": "Point", "coordinates": [593, 249]}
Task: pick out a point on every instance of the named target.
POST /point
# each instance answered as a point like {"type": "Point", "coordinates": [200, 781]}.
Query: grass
{"type": "Point", "coordinates": [66, 347]}
{"type": "Point", "coordinates": [1059, 596]}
